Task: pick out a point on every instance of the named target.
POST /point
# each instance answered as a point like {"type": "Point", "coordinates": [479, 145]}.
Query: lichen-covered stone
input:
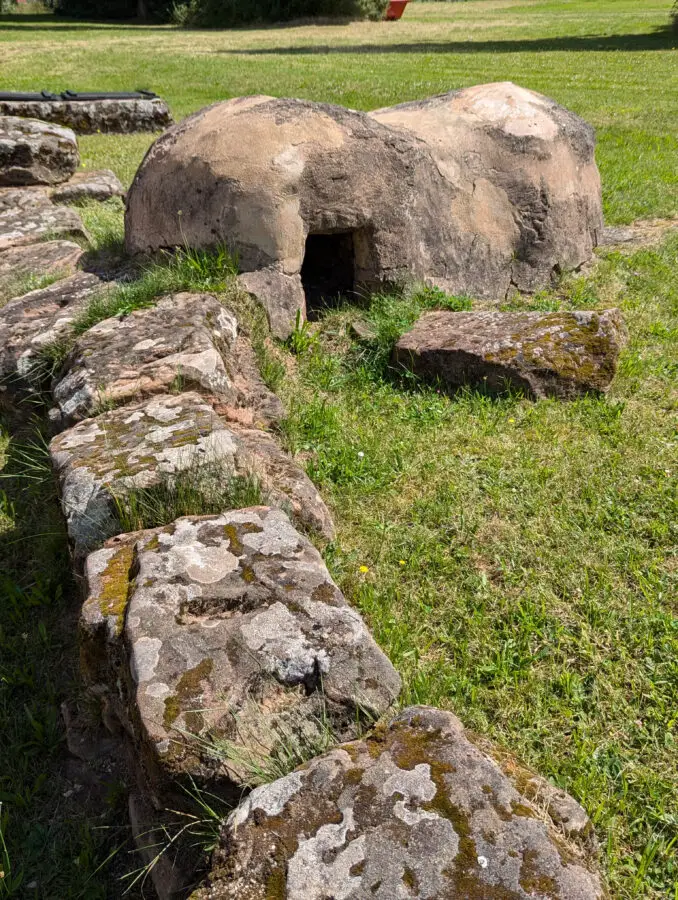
{"type": "Point", "coordinates": [95, 116]}
{"type": "Point", "coordinates": [559, 354]}
{"type": "Point", "coordinates": [35, 152]}
{"type": "Point", "coordinates": [186, 342]}
{"type": "Point", "coordinates": [39, 318]}
{"type": "Point", "coordinates": [99, 184]}
{"type": "Point", "coordinates": [38, 218]}
{"type": "Point", "coordinates": [137, 446]}
{"type": "Point", "coordinates": [47, 258]}
{"type": "Point", "coordinates": [416, 810]}
{"type": "Point", "coordinates": [232, 634]}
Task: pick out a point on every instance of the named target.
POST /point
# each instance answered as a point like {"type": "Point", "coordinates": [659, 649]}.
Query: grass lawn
{"type": "Point", "coordinates": [517, 560]}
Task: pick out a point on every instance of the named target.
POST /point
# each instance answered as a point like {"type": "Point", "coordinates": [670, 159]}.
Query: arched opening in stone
{"type": "Point", "coordinates": [328, 270]}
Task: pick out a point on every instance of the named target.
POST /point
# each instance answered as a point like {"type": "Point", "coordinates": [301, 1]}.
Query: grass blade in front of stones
{"type": "Point", "coordinates": [53, 842]}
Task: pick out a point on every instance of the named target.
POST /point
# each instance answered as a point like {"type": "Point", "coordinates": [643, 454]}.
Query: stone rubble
{"type": "Point", "coordinates": [560, 354]}
{"type": "Point", "coordinates": [39, 222]}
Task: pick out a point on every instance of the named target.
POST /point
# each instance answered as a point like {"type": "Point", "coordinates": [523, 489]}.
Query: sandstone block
{"type": "Point", "coordinates": [232, 646]}
{"type": "Point", "coordinates": [414, 810]}
{"type": "Point", "coordinates": [186, 342]}
{"type": "Point", "coordinates": [39, 318]}
{"type": "Point", "coordinates": [560, 354]}
{"type": "Point", "coordinates": [145, 444]}
{"type": "Point", "coordinates": [110, 116]}
{"type": "Point", "coordinates": [101, 184]}
{"type": "Point", "coordinates": [35, 152]}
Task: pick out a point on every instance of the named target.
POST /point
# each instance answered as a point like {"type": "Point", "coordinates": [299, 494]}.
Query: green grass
{"type": "Point", "coordinates": [517, 560]}
{"type": "Point", "coordinates": [611, 61]}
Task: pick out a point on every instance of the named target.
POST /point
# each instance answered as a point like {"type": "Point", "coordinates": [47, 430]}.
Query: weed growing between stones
{"type": "Point", "coordinates": [22, 284]}
{"type": "Point", "coordinates": [266, 753]}
{"type": "Point", "coordinates": [203, 489]}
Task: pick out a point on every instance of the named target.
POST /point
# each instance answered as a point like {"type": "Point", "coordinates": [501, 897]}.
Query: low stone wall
{"type": "Point", "coordinates": [210, 641]}
{"type": "Point", "coordinates": [95, 116]}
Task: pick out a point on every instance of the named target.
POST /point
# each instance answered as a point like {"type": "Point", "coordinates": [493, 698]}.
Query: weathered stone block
{"type": "Point", "coordinates": [95, 116]}
{"type": "Point", "coordinates": [29, 323]}
{"type": "Point", "coordinates": [35, 152]}
{"type": "Point", "coordinates": [232, 646]}
{"type": "Point", "coordinates": [36, 220]}
{"type": "Point", "coordinates": [186, 342]}
{"type": "Point", "coordinates": [414, 810]}
{"type": "Point", "coordinates": [560, 354]}
{"type": "Point", "coordinates": [141, 445]}
{"type": "Point", "coordinates": [100, 184]}
{"type": "Point", "coordinates": [48, 258]}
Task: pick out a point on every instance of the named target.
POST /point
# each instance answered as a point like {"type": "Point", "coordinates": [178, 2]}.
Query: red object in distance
{"type": "Point", "coordinates": [395, 10]}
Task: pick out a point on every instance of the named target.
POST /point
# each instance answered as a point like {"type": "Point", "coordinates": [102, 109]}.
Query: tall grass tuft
{"type": "Point", "coordinates": [203, 489]}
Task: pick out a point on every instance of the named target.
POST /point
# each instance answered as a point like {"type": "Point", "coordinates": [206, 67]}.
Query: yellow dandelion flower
{"type": "Point", "coordinates": [363, 569]}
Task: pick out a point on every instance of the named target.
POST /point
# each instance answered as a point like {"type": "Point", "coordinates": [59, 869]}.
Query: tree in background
{"type": "Point", "coordinates": [219, 13]}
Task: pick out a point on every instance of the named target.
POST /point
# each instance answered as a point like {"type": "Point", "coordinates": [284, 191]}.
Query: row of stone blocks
{"type": "Point", "coordinates": [228, 631]}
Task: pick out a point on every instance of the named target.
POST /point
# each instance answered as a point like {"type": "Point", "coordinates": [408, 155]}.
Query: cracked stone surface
{"type": "Point", "coordinates": [560, 354]}
{"type": "Point", "coordinates": [37, 220]}
{"type": "Point", "coordinates": [99, 184]}
{"type": "Point", "coordinates": [30, 322]}
{"type": "Point", "coordinates": [144, 444]}
{"type": "Point", "coordinates": [95, 116]}
{"type": "Point", "coordinates": [187, 342]}
{"type": "Point", "coordinates": [415, 810]}
{"type": "Point", "coordinates": [36, 152]}
{"type": "Point", "coordinates": [226, 631]}
{"type": "Point", "coordinates": [48, 258]}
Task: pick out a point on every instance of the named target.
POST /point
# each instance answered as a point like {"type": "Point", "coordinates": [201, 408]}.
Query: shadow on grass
{"type": "Point", "coordinates": [663, 39]}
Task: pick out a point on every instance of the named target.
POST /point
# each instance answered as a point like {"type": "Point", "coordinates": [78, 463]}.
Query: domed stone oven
{"type": "Point", "coordinates": [476, 191]}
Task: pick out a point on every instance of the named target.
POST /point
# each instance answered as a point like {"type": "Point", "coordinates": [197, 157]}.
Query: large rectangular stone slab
{"type": "Point", "coordinates": [225, 629]}
{"type": "Point", "coordinates": [186, 342]}
{"type": "Point", "coordinates": [111, 116]}
{"type": "Point", "coordinates": [415, 809]}
{"type": "Point", "coordinates": [144, 444]}
{"type": "Point", "coordinates": [30, 322]}
{"type": "Point", "coordinates": [560, 354]}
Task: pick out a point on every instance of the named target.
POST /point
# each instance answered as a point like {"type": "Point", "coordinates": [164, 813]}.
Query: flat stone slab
{"type": "Point", "coordinates": [35, 152]}
{"type": "Point", "coordinates": [30, 322]}
{"type": "Point", "coordinates": [20, 264]}
{"type": "Point", "coordinates": [37, 221]}
{"type": "Point", "coordinates": [560, 354]}
{"type": "Point", "coordinates": [415, 810]}
{"type": "Point", "coordinates": [186, 342]}
{"type": "Point", "coordinates": [141, 445]}
{"type": "Point", "coordinates": [99, 184]}
{"type": "Point", "coordinates": [231, 638]}
{"type": "Point", "coordinates": [94, 116]}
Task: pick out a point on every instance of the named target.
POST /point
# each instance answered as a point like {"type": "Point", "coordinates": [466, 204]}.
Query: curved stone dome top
{"type": "Point", "coordinates": [475, 191]}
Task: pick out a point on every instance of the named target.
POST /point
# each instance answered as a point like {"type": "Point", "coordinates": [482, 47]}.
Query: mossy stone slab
{"type": "Point", "coordinates": [226, 631]}
{"type": "Point", "coordinates": [415, 810]}
{"type": "Point", "coordinates": [559, 354]}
